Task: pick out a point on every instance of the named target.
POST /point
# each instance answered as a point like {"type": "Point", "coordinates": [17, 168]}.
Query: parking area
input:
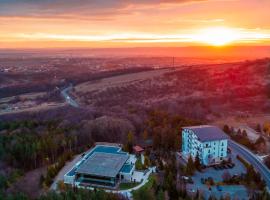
{"type": "Point", "coordinates": [216, 174]}
{"type": "Point", "coordinates": [234, 191]}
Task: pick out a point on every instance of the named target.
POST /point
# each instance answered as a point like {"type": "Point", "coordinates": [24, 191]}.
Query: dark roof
{"type": "Point", "coordinates": [146, 143]}
{"type": "Point", "coordinates": [138, 148]}
{"type": "Point", "coordinates": [208, 133]}
{"type": "Point", "coordinates": [103, 164]}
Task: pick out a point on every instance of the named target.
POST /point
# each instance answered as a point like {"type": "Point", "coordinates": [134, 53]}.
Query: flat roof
{"type": "Point", "coordinates": [208, 133]}
{"type": "Point", "coordinates": [103, 164]}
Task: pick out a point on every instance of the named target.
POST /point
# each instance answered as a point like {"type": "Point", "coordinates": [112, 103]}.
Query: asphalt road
{"type": "Point", "coordinates": [252, 159]}
{"type": "Point", "coordinates": [68, 98]}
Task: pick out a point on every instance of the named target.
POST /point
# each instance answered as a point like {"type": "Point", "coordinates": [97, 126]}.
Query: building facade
{"type": "Point", "coordinates": [209, 143]}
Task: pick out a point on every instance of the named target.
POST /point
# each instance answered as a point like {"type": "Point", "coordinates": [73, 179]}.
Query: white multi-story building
{"type": "Point", "coordinates": [210, 143]}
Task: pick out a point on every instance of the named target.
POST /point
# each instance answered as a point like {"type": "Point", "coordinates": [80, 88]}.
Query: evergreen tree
{"type": "Point", "coordinates": [190, 166]}
{"type": "Point", "coordinates": [146, 161]}
{"type": "Point", "coordinates": [145, 135]}
{"type": "Point", "coordinates": [239, 132]}
{"type": "Point", "coordinates": [160, 195]}
{"type": "Point", "coordinates": [130, 142]}
{"type": "Point", "coordinates": [226, 129]}
{"type": "Point", "coordinates": [144, 193]}
{"type": "Point", "coordinates": [258, 128]}
{"type": "Point", "coordinates": [244, 133]}
{"type": "Point", "coordinates": [226, 176]}
{"type": "Point", "coordinates": [197, 162]}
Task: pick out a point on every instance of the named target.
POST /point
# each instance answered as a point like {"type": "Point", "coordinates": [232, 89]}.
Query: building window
{"type": "Point", "coordinates": [209, 151]}
{"type": "Point", "coordinates": [221, 154]}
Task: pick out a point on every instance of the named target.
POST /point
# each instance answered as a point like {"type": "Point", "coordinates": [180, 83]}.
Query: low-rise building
{"type": "Point", "coordinates": [138, 150]}
{"type": "Point", "coordinates": [209, 143]}
{"type": "Point", "coordinates": [103, 166]}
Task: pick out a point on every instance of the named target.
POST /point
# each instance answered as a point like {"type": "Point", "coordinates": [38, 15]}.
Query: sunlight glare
{"type": "Point", "coordinates": [218, 36]}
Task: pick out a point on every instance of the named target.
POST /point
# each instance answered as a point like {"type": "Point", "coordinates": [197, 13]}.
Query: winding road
{"type": "Point", "coordinates": [68, 98]}
{"type": "Point", "coordinates": [252, 159]}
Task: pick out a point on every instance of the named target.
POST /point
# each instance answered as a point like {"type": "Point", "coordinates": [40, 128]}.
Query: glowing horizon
{"type": "Point", "coordinates": [121, 24]}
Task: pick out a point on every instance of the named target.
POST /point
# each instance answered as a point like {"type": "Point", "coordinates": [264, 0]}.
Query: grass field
{"type": "Point", "coordinates": [125, 186]}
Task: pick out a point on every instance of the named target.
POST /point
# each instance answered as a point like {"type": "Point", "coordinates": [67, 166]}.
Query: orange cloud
{"type": "Point", "coordinates": [125, 23]}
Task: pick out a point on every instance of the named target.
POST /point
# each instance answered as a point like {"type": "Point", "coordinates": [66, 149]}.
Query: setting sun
{"type": "Point", "coordinates": [218, 36]}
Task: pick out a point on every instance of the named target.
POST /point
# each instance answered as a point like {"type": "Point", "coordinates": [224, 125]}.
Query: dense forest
{"type": "Point", "coordinates": [26, 145]}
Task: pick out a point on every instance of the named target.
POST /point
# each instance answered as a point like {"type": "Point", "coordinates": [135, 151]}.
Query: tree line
{"type": "Point", "coordinates": [25, 148]}
{"type": "Point", "coordinates": [165, 130]}
{"type": "Point", "coordinates": [69, 194]}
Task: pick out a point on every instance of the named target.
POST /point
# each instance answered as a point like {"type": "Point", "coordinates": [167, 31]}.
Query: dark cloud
{"type": "Point", "coordinates": [45, 8]}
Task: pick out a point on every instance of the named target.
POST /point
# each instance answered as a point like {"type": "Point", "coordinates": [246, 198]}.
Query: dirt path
{"type": "Point", "coordinates": [44, 106]}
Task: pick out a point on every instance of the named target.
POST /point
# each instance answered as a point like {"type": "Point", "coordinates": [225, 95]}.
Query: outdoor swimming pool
{"type": "Point", "coordinates": [126, 168]}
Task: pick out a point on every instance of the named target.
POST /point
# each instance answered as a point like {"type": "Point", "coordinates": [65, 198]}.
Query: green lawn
{"type": "Point", "coordinates": [147, 185]}
{"type": "Point", "coordinates": [125, 186]}
{"type": "Point", "coordinates": [150, 182]}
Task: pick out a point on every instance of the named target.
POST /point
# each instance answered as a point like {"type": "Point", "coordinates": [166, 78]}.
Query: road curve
{"type": "Point", "coordinates": [252, 159]}
{"type": "Point", "coordinates": [68, 98]}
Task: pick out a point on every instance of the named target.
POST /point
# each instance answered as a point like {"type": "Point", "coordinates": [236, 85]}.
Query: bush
{"type": "Point", "coordinates": [139, 165]}
{"type": "Point", "coordinates": [226, 176]}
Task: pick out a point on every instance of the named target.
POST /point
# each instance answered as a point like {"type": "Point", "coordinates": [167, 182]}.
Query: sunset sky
{"type": "Point", "coordinates": [133, 23]}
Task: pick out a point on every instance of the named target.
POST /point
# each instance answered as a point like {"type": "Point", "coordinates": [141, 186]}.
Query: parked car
{"type": "Point", "coordinates": [229, 165]}
{"type": "Point", "coordinates": [202, 180]}
{"type": "Point", "coordinates": [225, 166]}
{"type": "Point", "coordinates": [203, 166]}
{"type": "Point", "coordinates": [219, 167]}
{"type": "Point", "coordinates": [219, 188]}
{"type": "Point", "coordinates": [190, 180]}
{"type": "Point", "coordinates": [187, 179]}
